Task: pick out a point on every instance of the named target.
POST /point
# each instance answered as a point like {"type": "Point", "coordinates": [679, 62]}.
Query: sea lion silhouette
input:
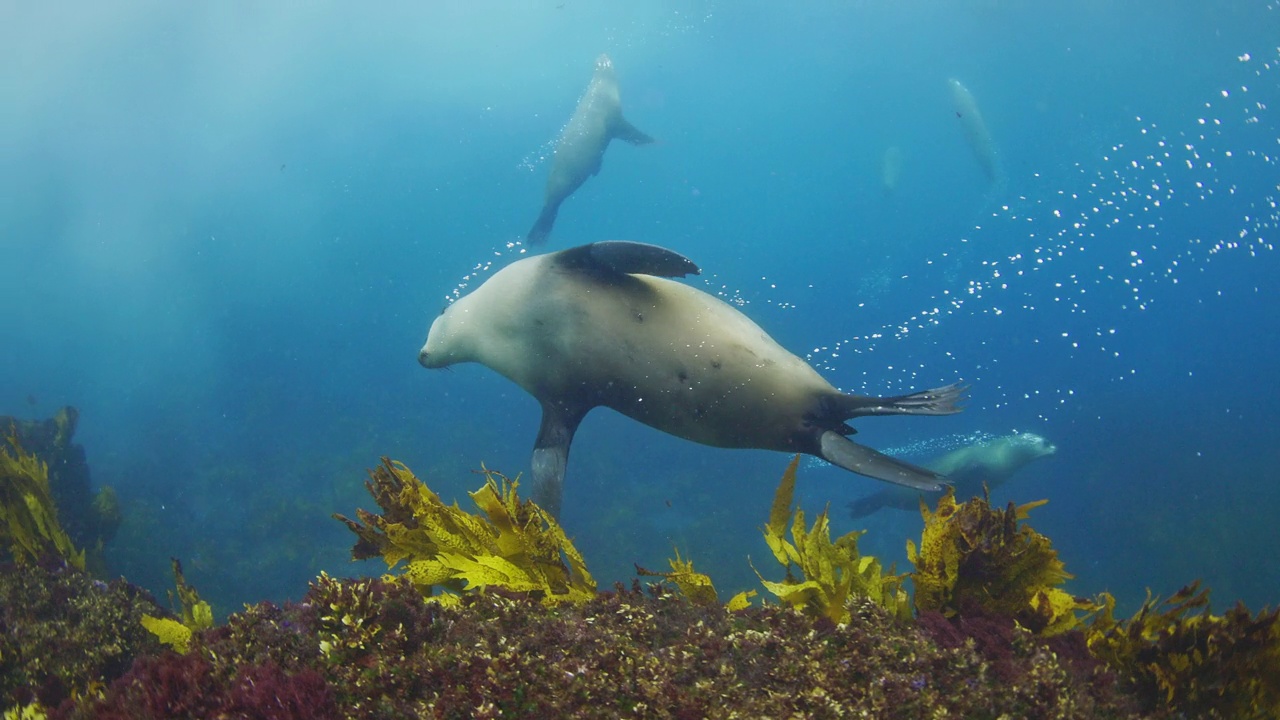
{"type": "Point", "coordinates": [990, 462]}
{"type": "Point", "coordinates": [581, 146]}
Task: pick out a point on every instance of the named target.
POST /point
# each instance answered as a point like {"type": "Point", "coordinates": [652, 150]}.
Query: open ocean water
{"type": "Point", "coordinates": [225, 229]}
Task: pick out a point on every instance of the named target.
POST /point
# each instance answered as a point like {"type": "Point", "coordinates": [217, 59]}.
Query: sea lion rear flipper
{"type": "Point", "coordinates": [839, 450]}
{"type": "Point", "coordinates": [625, 131]}
{"type": "Point", "coordinates": [551, 455]}
{"type": "Point", "coordinates": [542, 227]}
{"type": "Point", "coordinates": [624, 256]}
{"type": "Point", "coordinates": [943, 400]}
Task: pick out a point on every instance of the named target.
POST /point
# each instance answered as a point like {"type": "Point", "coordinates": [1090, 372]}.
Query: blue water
{"type": "Point", "coordinates": [224, 232]}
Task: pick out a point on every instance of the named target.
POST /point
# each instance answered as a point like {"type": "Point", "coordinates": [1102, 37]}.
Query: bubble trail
{"type": "Point", "coordinates": [480, 271]}
{"type": "Point", "coordinates": [1150, 211]}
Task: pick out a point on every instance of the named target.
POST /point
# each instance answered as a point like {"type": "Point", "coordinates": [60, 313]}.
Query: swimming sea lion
{"type": "Point", "coordinates": [581, 146]}
{"type": "Point", "coordinates": [990, 462]}
{"type": "Point", "coordinates": [975, 129]}
{"type": "Point", "coordinates": [598, 325]}
{"type": "Point", "coordinates": [891, 168]}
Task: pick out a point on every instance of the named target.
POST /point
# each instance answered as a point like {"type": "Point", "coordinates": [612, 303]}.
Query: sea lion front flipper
{"type": "Point", "coordinates": [839, 450]}
{"type": "Point", "coordinates": [627, 257]}
{"type": "Point", "coordinates": [551, 455]}
{"type": "Point", "coordinates": [627, 132]}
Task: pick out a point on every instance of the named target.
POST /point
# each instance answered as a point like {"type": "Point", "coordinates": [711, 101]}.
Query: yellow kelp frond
{"type": "Point", "coordinates": [972, 557]}
{"type": "Point", "coordinates": [28, 518]}
{"type": "Point", "coordinates": [169, 631]}
{"type": "Point", "coordinates": [516, 545]}
{"type": "Point", "coordinates": [695, 585]}
{"type": "Point", "coordinates": [832, 571]}
{"type": "Point", "coordinates": [33, 711]}
{"type": "Point", "coordinates": [1190, 661]}
{"type": "Point", "coordinates": [741, 601]}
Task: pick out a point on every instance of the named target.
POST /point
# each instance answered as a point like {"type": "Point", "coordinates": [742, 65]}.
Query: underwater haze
{"type": "Point", "coordinates": [226, 228]}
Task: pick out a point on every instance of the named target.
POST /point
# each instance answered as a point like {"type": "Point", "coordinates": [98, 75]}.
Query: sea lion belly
{"type": "Point", "coordinates": [686, 363]}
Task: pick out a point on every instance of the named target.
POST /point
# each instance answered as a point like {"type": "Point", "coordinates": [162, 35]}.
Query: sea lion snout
{"type": "Point", "coordinates": [1038, 442]}
{"type": "Point", "coordinates": [440, 347]}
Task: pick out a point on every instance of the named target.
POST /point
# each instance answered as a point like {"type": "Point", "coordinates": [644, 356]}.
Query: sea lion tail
{"type": "Point", "coordinates": [935, 401]}
{"type": "Point", "coordinates": [542, 227]}
{"type": "Point", "coordinates": [843, 452]}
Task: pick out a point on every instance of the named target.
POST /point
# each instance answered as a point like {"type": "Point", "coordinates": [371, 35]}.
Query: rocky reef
{"type": "Point", "coordinates": [63, 634]}
{"type": "Point", "coordinates": [90, 519]}
{"type": "Point", "coordinates": [376, 648]}
{"type": "Point", "coordinates": [493, 614]}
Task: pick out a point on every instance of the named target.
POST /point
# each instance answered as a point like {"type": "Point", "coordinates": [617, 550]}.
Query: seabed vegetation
{"type": "Point", "coordinates": [494, 614]}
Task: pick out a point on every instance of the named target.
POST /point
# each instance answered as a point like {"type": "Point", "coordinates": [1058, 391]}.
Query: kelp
{"type": "Point", "coordinates": [195, 614]}
{"type": "Point", "coordinates": [515, 545]}
{"type": "Point", "coordinates": [28, 516]}
{"type": "Point", "coordinates": [973, 558]}
{"type": "Point", "coordinates": [89, 520]}
{"type": "Point", "coordinates": [31, 711]}
{"type": "Point", "coordinates": [696, 586]}
{"type": "Point", "coordinates": [833, 572]}
{"type": "Point", "coordinates": [169, 631]}
{"type": "Point", "coordinates": [1178, 654]}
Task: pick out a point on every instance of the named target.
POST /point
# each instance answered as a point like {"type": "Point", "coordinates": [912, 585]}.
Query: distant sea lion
{"type": "Point", "coordinates": [990, 462]}
{"type": "Point", "coordinates": [598, 325]}
{"type": "Point", "coordinates": [975, 129]}
{"type": "Point", "coordinates": [891, 168]}
{"type": "Point", "coordinates": [581, 146]}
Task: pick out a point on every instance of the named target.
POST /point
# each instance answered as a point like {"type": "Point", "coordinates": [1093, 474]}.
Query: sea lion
{"type": "Point", "coordinates": [891, 168]}
{"type": "Point", "coordinates": [581, 146]}
{"type": "Point", "coordinates": [989, 463]}
{"type": "Point", "coordinates": [975, 129]}
{"type": "Point", "coordinates": [599, 325]}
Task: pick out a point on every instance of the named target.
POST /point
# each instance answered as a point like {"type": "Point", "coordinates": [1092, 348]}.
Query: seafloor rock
{"type": "Point", "coordinates": [62, 632]}
{"type": "Point", "coordinates": [89, 519]}
{"type": "Point", "coordinates": [376, 649]}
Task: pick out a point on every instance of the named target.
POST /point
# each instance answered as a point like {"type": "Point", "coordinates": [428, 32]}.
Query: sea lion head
{"type": "Point", "coordinates": [453, 337]}
{"type": "Point", "coordinates": [1037, 442]}
{"type": "Point", "coordinates": [488, 325]}
{"type": "Point", "coordinates": [1032, 446]}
